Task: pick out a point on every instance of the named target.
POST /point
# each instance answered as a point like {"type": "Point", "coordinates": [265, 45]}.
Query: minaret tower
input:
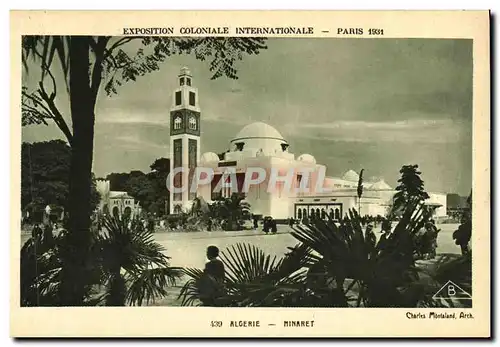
{"type": "Point", "coordinates": [184, 138]}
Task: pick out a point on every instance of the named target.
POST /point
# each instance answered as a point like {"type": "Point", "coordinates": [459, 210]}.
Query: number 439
{"type": "Point", "coordinates": [216, 323]}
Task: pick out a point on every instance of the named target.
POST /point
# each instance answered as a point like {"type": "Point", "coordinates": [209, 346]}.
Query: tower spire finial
{"type": "Point", "coordinates": [185, 71]}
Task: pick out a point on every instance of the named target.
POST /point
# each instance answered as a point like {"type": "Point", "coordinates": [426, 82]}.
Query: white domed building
{"type": "Point", "coordinates": [257, 160]}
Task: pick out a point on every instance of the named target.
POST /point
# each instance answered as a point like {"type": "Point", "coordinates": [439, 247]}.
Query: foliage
{"type": "Point", "coordinates": [463, 234]}
{"type": "Point", "coordinates": [252, 279]}
{"type": "Point", "coordinates": [334, 265]}
{"type": "Point", "coordinates": [359, 189]}
{"type": "Point", "coordinates": [83, 64]}
{"type": "Point", "coordinates": [150, 189]}
{"type": "Point", "coordinates": [130, 253]}
{"type": "Point", "coordinates": [126, 263]}
{"type": "Point", "coordinates": [115, 62]}
{"type": "Point", "coordinates": [45, 168]}
{"type": "Point", "coordinates": [44, 172]}
{"type": "Point", "coordinates": [40, 271]}
{"type": "Point", "coordinates": [360, 184]}
{"type": "Point", "coordinates": [410, 188]}
{"type": "Point", "coordinates": [230, 212]}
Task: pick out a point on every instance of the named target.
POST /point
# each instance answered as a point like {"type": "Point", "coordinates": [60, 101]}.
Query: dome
{"type": "Point", "coordinates": [260, 137]}
{"type": "Point", "coordinates": [307, 158]}
{"type": "Point", "coordinates": [258, 130]}
{"type": "Point", "coordinates": [209, 157]}
{"type": "Point", "coordinates": [351, 176]}
{"type": "Point", "coordinates": [380, 185]}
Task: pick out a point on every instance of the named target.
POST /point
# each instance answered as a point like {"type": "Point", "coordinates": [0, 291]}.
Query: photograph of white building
{"type": "Point", "coordinates": [259, 145]}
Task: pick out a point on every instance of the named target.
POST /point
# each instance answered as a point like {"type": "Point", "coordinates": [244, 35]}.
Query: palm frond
{"type": "Point", "coordinates": [246, 263]}
{"type": "Point", "coordinates": [190, 293]}
{"type": "Point", "coordinates": [151, 284]}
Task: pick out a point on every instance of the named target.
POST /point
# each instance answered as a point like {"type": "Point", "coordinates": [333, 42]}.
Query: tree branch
{"type": "Point", "coordinates": [56, 115]}
{"type": "Point", "coordinates": [98, 65]}
{"type": "Point", "coordinates": [36, 102]}
{"type": "Point", "coordinates": [119, 43]}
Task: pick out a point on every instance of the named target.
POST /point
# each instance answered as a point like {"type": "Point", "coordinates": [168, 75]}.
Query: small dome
{"type": "Point", "coordinates": [209, 157]}
{"type": "Point", "coordinates": [307, 158]}
{"type": "Point", "coordinates": [258, 130]}
{"type": "Point", "coordinates": [380, 185]}
{"type": "Point", "coordinates": [351, 176]}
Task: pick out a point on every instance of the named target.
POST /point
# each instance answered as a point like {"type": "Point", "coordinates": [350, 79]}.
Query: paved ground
{"type": "Point", "coordinates": [188, 249]}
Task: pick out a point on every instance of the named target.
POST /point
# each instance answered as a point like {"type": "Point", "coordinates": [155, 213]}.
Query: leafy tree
{"type": "Point", "coordinates": [150, 189]}
{"type": "Point", "coordinates": [158, 176]}
{"type": "Point", "coordinates": [85, 64]}
{"type": "Point", "coordinates": [118, 181]}
{"type": "Point", "coordinates": [45, 168]}
{"type": "Point", "coordinates": [410, 188]}
{"type": "Point", "coordinates": [161, 165]}
{"type": "Point", "coordinates": [45, 172]}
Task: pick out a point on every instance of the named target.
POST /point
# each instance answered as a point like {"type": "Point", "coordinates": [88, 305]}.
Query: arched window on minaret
{"type": "Point", "coordinates": [177, 123]}
{"type": "Point", "coordinates": [192, 123]}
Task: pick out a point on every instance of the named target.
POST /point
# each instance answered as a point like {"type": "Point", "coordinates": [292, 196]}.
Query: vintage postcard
{"type": "Point", "coordinates": [250, 174]}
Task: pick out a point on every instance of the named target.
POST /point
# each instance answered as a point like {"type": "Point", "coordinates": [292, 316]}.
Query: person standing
{"type": "Point", "coordinates": [274, 228]}
{"type": "Point", "coordinates": [432, 232]}
{"type": "Point", "coordinates": [370, 239]}
{"type": "Point", "coordinates": [36, 232]}
{"type": "Point", "coordinates": [48, 236]}
{"type": "Point", "coordinates": [212, 282]}
{"type": "Point", "coordinates": [385, 241]}
{"type": "Point", "coordinates": [265, 225]}
{"type": "Point", "coordinates": [255, 222]}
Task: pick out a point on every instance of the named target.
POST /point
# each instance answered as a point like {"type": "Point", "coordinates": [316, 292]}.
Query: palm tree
{"type": "Point", "coordinates": [83, 66]}
{"type": "Point", "coordinates": [332, 266]}
{"type": "Point", "coordinates": [40, 273]}
{"type": "Point", "coordinates": [231, 211]}
{"type": "Point", "coordinates": [252, 279]}
{"type": "Point", "coordinates": [126, 267]}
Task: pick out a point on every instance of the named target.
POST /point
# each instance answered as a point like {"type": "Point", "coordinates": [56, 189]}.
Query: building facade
{"type": "Point", "coordinates": [184, 139]}
{"type": "Point", "coordinates": [115, 203]}
{"type": "Point", "coordinates": [259, 145]}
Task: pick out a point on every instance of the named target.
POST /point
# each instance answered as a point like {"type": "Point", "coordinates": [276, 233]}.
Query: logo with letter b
{"type": "Point", "coordinates": [452, 291]}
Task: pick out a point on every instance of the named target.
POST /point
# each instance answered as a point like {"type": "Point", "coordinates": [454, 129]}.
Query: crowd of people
{"type": "Point", "coordinates": [425, 240]}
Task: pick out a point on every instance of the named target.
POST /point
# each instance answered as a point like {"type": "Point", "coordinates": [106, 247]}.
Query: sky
{"type": "Point", "coordinates": [375, 104]}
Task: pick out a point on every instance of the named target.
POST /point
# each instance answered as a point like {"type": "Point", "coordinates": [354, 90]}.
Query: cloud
{"type": "Point", "coordinates": [147, 118]}
{"type": "Point", "coordinates": [438, 131]}
{"type": "Point", "coordinates": [136, 142]}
